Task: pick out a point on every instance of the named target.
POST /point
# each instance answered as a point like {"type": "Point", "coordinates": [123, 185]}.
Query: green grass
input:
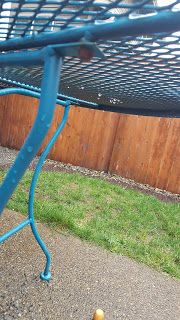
{"type": "Point", "coordinates": [121, 220]}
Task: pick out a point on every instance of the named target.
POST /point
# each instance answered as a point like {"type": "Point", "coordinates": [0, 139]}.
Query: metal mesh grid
{"type": "Point", "coordinates": [137, 72]}
{"type": "Point", "coordinates": [26, 17]}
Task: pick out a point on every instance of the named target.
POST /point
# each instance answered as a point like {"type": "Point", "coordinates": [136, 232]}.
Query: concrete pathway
{"type": "Point", "coordinates": [84, 278]}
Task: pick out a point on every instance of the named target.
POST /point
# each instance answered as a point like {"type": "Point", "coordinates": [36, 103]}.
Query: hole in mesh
{"type": "Point", "coordinates": [176, 7]}
{"type": "Point", "coordinates": [167, 56]}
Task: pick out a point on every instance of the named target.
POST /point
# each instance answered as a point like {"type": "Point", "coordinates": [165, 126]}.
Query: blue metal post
{"type": "Point", "coordinates": [50, 80]}
{"type": "Point", "coordinates": [46, 275]}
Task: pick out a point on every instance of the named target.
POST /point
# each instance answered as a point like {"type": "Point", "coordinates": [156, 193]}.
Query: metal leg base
{"type": "Point", "coordinates": [45, 277]}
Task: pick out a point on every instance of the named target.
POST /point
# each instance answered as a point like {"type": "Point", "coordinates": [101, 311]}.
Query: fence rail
{"type": "Point", "coordinates": [145, 149]}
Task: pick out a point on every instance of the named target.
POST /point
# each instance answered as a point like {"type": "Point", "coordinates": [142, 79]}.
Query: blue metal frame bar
{"type": "Point", "coordinates": [27, 92]}
{"type": "Point", "coordinates": [24, 58]}
{"type": "Point", "coordinates": [36, 90]}
{"type": "Point", "coordinates": [85, 104]}
{"type": "Point", "coordinates": [167, 21]}
{"type": "Point", "coordinates": [14, 230]}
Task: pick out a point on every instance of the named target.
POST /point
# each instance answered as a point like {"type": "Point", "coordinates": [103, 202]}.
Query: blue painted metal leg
{"type": "Point", "coordinates": [46, 275]}
{"type": "Point", "coordinates": [40, 128]}
{"type": "Point", "coordinates": [49, 87]}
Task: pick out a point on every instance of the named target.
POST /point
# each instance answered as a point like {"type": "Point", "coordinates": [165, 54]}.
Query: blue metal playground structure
{"type": "Point", "coordinates": [120, 56]}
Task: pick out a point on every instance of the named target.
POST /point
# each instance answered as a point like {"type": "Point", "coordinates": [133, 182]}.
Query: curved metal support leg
{"type": "Point", "coordinates": [49, 85]}
{"type": "Point", "coordinates": [46, 275]}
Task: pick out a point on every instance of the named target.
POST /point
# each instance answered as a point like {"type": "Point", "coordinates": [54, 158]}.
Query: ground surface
{"type": "Point", "coordinates": [122, 220]}
{"type": "Point", "coordinates": [84, 278]}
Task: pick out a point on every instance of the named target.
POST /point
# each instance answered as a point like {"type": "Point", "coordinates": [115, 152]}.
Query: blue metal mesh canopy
{"type": "Point", "coordinates": [140, 68]}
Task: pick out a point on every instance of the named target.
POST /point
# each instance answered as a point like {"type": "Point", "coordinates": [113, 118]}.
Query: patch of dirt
{"type": "Point", "coordinates": [87, 218]}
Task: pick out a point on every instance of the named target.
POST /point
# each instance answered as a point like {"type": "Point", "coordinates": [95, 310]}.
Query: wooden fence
{"type": "Point", "coordinates": [145, 149]}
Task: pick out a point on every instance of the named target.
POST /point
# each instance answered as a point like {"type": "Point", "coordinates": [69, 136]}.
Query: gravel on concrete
{"type": "Point", "coordinates": [7, 156]}
{"type": "Point", "coordinates": [85, 278]}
